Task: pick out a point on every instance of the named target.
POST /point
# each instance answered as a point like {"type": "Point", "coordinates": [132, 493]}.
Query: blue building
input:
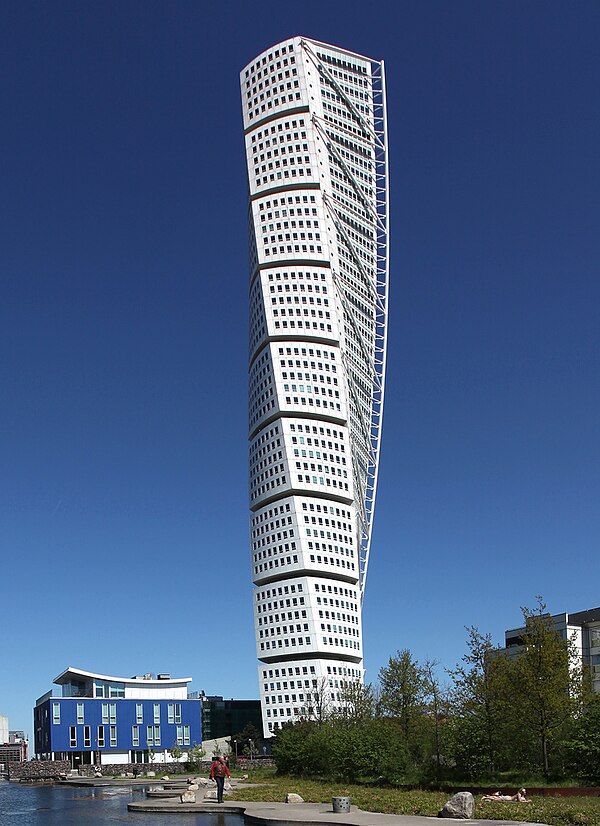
{"type": "Point", "coordinates": [94, 718]}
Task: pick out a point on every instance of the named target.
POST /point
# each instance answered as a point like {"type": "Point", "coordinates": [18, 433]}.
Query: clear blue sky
{"type": "Point", "coordinates": [123, 325]}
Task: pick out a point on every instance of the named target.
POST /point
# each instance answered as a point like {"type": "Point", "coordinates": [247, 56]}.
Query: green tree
{"type": "Point", "coordinates": [547, 680]}
{"type": "Point", "coordinates": [478, 701]}
{"type": "Point", "coordinates": [175, 751]}
{"type": "Point", "coordinates": [402, 690]}
{"type": "Point", "coordinates": [358, 703]}
{"type": "Point", "coordinates": [195, 755]}
{"type": "Point", "coordinates": [583, 745]}
{"type": "Point", "coordinates": [435, 697]}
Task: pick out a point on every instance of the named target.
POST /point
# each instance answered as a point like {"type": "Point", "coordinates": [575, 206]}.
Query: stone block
{"type": "Point", "coordinates": [461, 805]}
{"type": "Point", "coordinates": [187, 797]}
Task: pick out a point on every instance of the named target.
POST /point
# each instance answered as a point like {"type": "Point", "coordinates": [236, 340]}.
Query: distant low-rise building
{"type": "Point", "coordinates": [98, 719]}
{"type": "Point", "coordinates": [13, 745]}
{"type": "Point", "coordinates": [583, 628]}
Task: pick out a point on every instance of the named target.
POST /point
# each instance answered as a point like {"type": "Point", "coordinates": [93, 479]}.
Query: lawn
{"type": "Point", "coordinates": [579, 811]}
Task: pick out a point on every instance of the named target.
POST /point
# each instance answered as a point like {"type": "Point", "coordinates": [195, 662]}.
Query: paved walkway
{"type": "Point", "coordinates": [282, 814]}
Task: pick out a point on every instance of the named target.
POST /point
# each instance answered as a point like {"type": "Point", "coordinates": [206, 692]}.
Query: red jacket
{"type": "Point", "coordinates": [219, 769]}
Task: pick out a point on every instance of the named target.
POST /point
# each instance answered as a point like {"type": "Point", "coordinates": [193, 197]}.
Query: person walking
{"type": "Point", "coordinates": [218, 773]}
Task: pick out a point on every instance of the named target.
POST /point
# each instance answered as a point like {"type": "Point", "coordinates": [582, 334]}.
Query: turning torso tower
{"type": "Point", "coordinates": [316, 149]}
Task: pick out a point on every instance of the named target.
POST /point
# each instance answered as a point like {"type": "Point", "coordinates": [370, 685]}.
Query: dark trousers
{"type": "Point", "coordinates": [220, 781]}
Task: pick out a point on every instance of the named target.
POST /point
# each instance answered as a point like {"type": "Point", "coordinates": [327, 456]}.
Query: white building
{"type": "Point", "coordinates": [316, 149]}
{"type": "Point", "coordinates": [3, 729]}
{"type": "Point", "coordinates": [583, 628]}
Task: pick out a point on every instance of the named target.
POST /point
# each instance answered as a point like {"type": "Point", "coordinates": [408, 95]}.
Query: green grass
{"type": "Point", "coordinates": [575, 811]}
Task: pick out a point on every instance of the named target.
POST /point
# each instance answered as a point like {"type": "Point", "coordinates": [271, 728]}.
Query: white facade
{"type": "Point", "coordinates": [3, 730]}
{"type": "Point", "coordinates": [316, 149]}
{"type": "Point", "coordinates": [582, 628]}
{"type": "Point", "coordinates": [141, 687]}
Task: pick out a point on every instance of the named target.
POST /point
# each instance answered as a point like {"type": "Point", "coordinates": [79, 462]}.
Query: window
{"type": "Point", "coordinates": [112, 712]}
{"type": "Point", "coordinates": [73, 737]}
{"type": "Point", "coordinates": [170, 713]}
{"type": "Point", "coordinates": [100, 737]}
{"type": "Point", "coordinates": [150, 735]}
{"type": "Point", "coordinates": [156, 713]}
{"type": "Point", "coordinates": [186, 735]}
{"type": "Point", "coordinates": [56, 714]}
{"type": "Point", "coordinates": [80, 714]}
{"type": "Point", "coordinates": [139, 713]}
{"type": "Point", "coordinates": [178, 712]}
{"type": "Point", "coordinates": [113, 737]}
{"type": "Point", "coordinates": [157, 735]}
{"type": "Point", "coordinates": [180, 735]}
{"type": "Point", "coordinates": [105, 712]}
{"type": "Point", "coordinates": [135, 735]}
{"type": "Point", "coordinates": [87, 737]}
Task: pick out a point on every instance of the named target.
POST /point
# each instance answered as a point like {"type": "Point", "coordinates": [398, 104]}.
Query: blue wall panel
{"type": "Point", "coordinates": [59, 734]}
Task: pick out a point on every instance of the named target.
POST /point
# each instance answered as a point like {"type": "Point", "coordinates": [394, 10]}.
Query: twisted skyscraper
{"type": "Point", "coordinates": [316, 149]}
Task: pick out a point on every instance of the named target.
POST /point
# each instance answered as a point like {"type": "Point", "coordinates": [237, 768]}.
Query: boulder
{"type": "Point", "coordinates": [192, 787]}
{"type": "Point", "coordinates": [461, 805]}
{"type": "Point", "coordinates": [165, 777]}
{"type": "Point", "coordinates": [187, 797]}
{"type": "Point", "coordinates": [210, 794]}
{"type": "Point", "coordinates": [227, 785]}
{"type": "Point", "coordinates": [292, 797]}
{"type": "Point", "coordinates": [150, 774]}
{"type": "Point", "coordinates": [244, 777]}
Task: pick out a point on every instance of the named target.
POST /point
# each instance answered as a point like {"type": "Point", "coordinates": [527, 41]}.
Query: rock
{"type": "Point", "coordinates": [192, 787]}
{"type": "Point", "coordinates": [244, 777]}
{"type": "Point", "coordinates": [462, 805]}
{"type": "Point", "coordinates": [292, 797]}
{"type": "Point", "coordinates": [210, 794]}
{"type": "Point", "coordinates": [150, 774]}
{"type": "Point", "coordinates": [165, 777]}
{"type": "Point", "coordinates": [187, 797]}
{"type": "Point", "coordinates": [130, 774]}
{"type": "Point", "coordinates": [227, 786]}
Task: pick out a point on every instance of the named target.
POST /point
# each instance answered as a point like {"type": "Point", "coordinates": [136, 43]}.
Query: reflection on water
{"type": "Point", "coordinates": [65, 805]}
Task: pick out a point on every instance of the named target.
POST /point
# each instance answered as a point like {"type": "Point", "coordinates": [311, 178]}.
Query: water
{"type": "Point", "coordinates": [23, 805]}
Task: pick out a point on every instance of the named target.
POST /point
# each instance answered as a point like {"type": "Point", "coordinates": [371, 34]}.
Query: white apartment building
{"type": "Point", "coordinates": [317, 160]}
{"type": "Point", "coordinates": [582, 627]}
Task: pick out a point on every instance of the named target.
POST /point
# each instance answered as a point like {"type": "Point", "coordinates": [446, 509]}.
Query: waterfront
{"type": "Point", "coordinates": [50, 805]}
